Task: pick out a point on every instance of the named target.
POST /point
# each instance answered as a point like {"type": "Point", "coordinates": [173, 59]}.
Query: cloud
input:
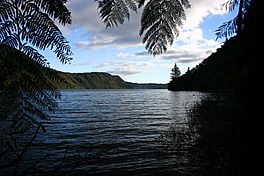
{"type": "Point", "coordinates": [108, 41]}
{"type": "Point", "coordinates": [133, 55]}
{"type": "Point", "coordinates": [85, 15]}
{"type": "Point", "coordinates": [190, 47]}
{"type": "Point", "coordinates": [123, 72]}
{"type": "Point", "coordinates": [126, 68]}
{"type": "Point", "coordinates": [180, 54]}
{"type": "Point", "coordinates": [199, 10]}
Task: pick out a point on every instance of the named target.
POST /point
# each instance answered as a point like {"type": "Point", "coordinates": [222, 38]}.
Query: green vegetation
{"type": "Point", "coordinates": [26, 90]}
{"type": "Point", "coordinates": [28, 86]}
{"type": "Point", "coordinates": [175, 72]}
{"type": "Point", "coordinates": [94, 80]}
{"type": "Point", "coordinates": [56, 79]}
{"type": "Point", "coordinates": [148, 85]}
{"type": "Point", "coordinates": [222, 133]}
{"type": "Point", "coordinates": [229, 67]}
{"type": "Point", "coordinates": [206, 139]}
{"type": "Point", "coordinates": [214, 73]}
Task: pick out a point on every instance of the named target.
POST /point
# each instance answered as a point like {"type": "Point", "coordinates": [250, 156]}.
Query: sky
{"type": "Point", "coordinates": [120, 51]}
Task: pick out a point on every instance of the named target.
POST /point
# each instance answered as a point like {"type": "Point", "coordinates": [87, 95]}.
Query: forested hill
{"type": "Point", "coordinates": [214, 73]}
{"type": "Point", "coordinates": [11, 66]}
{"type": "Point", "coordinates": [148, 85]}
{"type": "Point", "coordinates": [93, 80]}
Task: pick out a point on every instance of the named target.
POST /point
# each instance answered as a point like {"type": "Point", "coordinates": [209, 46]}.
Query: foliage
{"type": "Point", "coordinates": [211, 121]}
{"type": "Point", "coordinates": [205, 137]}
{"type": "Point", "coordinates": [235, 25]}
{"type": "Point", "coordinates": [24, 22]}
{"type": "Point", "coordinates": [160, 20]}
{"type": "Point", "coordinates": [94, 80]}
{"type": "Point", "coordinates": [26, 94]}
{"type": "Point", "coordinates": [221, 69]}
{"type": "Point", "coordinates": [219, 121]}
{"type": "Point", "coordinates": [25, 25]}
{"type": "Point", "coordinates": [212, 74]}
{"type": "Point", "coordinates": [25, 97]}
{"type": "Point", "coordinates": [175, 72]}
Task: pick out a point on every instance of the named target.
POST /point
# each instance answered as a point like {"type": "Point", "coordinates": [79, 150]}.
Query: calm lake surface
{"type": "Point", "coordinates": [112, 132]}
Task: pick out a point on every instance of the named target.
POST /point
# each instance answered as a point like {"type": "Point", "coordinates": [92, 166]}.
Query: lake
{"type": "Point", "coordinates": [112, 132]}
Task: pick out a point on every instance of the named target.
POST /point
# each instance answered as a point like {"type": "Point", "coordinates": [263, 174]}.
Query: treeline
{"type": "Point", "coordinates": [234, 124]}
{"type": "Point", "coordinates": [93, 80]}
{"type": "Point", "coordinates": [233, 67]}
{"type": "Point", "coordinates": [148, 85]}
{"type": "Point", "coordinates": [66, 80]}
{"type": "Point", "coordinates": [214, 73]}
{"type": "Point", "coordinates": [59, 80]}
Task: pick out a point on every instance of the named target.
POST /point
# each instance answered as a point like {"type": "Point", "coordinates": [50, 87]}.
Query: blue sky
{"type": "Point", "coordinates": [120, 51]}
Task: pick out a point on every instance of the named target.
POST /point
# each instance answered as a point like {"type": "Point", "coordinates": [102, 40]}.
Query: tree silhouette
{"type": "Point", "coordinates": [160, 20]}
{"type": "Point", "coordinates": [26, 94]}
{"type": "Point", "coordinates": [244, 26]}
{"type": "Point", "coordinates": [175, 72]}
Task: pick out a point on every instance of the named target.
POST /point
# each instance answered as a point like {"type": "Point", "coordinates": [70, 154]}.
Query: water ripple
{"type": "Point", "coordinates": [129, 120]}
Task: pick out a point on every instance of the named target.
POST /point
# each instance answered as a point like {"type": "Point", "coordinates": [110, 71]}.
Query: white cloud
{"type": "Point", "coordinates": [125, 55]}
{"type": "Point", "coordinates": [126, 68]}
{"type": "Point", "coordinates": [85, 15]}
{"type": "Point", "coordinates": [133, 55]}
{"type": "Point", "coordinates": [199, 10]}
{"type": "Point", "coordinates": [189, 48]}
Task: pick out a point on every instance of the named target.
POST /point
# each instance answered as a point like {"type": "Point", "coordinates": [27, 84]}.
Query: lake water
{"type": "Point", "coordinates": [112, 132]}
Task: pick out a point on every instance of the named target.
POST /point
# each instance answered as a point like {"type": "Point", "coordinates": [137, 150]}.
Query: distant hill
{"type": "Point", "coordinates": [60, 80]}
{"type": "Point", "coordinates": [148, 85]}
{"type": "Point", "coordinates": [93, 80]}
{"type": "Point", "coordinates": [65, 80]}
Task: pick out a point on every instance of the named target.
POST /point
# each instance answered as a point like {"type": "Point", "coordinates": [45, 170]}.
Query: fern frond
{"type": "Point", "coordinates": [231, 27]}
{"type": "Point", "coordinates": [34, 55]}
{"type": "Point", "coordinates": [140, 3]}
{"type": "Point", "coordinates": [12, 41]}
{"type": "Point", "coordinates": [115, 12]}
{"type": "Point", "coordinates": [160, 22]}
{"type": "Point", "coordinates": [230, 5]}
{"type": "Point", "coordinates": [43, 33]}
{"type": "Point", "coordinates": [131, 5]}
{"type": "Point", "coordinates": [227, 29]}
{"type": "Point", "coordinates": [6, 10]}
{"type": "Point", "coordinates": [56, 9]}
{"type": "Point", "coordinates": [32, 22]}
{"type": "Point", "coordinates": [25, 91]}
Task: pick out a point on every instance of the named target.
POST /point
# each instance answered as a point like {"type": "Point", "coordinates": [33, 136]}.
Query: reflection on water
{"type": "Point", "coordinates": [116, 129]}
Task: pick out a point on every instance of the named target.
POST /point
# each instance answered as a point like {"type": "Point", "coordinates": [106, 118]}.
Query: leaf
{"type": "Point", "coordinates": [227, 29]}
{"type": "Point", "coordinates": [115, 12]}
{"type": "Point", "coordinates": [160, 22]}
